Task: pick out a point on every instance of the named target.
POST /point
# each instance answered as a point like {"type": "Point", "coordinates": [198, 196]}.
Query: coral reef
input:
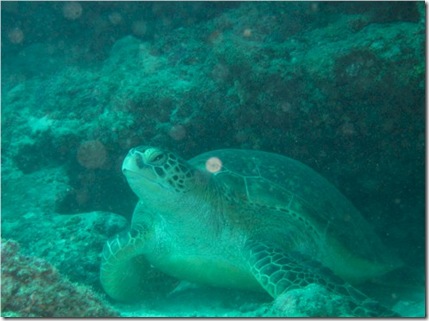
{"type": "Point", "coordinates": [31, 287]}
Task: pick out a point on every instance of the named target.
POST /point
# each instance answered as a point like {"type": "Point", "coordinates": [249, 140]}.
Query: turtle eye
{"type": "Point", "coordinates": [157, 158]}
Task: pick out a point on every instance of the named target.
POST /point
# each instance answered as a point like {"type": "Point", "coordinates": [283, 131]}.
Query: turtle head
{"type": "Point", "coordinates": [158, 176]}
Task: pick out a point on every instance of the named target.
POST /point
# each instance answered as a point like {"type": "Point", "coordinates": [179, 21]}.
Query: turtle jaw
{"type": "Point", "coordinates": [136, 160]}
{"type": "Point", "coordinates": [133, 165]}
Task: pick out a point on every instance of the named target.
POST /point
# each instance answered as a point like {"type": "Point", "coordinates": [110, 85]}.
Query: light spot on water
{"type": "Point", "coordinates": [72, 10]}
{"type": "Point", "coordinates": [115, 18]}
{"type": "Point", "coordinates": [177, 132]}
{"type": "Point", "coordinates": [213, 165]}
{"type": "Point", "coordinates": [16, 35]}
{"type": "Point", "coordinates": [139, 28]}
{"type": "Point", "coordinates": [91, 154]}
{"type": "Point", "coordinates": [247, 32]}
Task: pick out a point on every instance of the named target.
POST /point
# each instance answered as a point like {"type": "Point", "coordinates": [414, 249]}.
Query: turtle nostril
{"type": "Point", "coordinates": [139, 160]}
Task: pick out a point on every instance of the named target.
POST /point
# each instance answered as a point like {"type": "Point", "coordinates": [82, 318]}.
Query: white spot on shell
{"type": "Point", "coordinates": [213, 165]}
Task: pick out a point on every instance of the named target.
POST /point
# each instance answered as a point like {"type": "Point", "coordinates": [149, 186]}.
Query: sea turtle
{"type": "Point", "coordinates": [240, 219]}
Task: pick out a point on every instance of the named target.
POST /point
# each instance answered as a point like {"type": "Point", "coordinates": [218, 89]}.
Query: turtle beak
{"type": "Point", "coordinates": [133, 161]}
{"type": "Point", "coordinates": [127, 163]}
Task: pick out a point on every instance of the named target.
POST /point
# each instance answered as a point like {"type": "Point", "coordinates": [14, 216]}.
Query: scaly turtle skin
{"type": "Point", "coordinates": [240, 219]}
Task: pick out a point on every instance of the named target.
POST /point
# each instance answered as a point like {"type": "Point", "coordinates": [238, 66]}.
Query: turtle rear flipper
{"type": "Point", "coordinates": [279, 272]}
{"type": "Point", "coordinates": [126, 275]}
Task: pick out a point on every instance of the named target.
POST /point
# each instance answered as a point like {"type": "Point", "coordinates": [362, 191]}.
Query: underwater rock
{"type": "Point", "coordinates": [72, 243]}
{"type": "Point", "coordinates": [254, 76]}
{"type": "Point", "coordinates": [38, 191]}
{"type": "Point", "coordinates": [310, 301]}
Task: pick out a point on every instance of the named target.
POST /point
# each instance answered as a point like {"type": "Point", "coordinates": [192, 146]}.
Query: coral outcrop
{"type": "Point", "coordinates": [32, 287]}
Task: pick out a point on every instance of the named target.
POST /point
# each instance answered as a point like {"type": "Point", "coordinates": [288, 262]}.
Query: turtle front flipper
{"type": "Point", "coordinates": [125, 273]}
{"type": "Point", "coordinates": [279, 272]}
